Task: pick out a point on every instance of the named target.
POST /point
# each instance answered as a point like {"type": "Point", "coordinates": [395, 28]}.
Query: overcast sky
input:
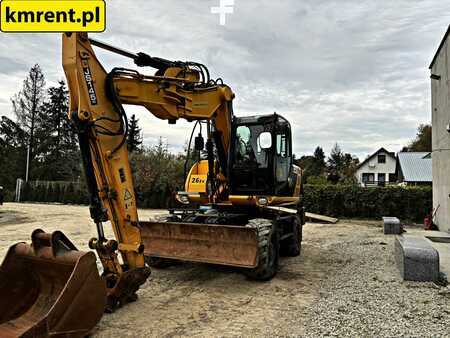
{"type": "Point", "coordinates": [352, 72]}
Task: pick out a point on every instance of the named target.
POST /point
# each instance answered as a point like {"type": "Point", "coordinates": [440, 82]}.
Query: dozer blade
{"type": "Point", "coordinates": [49, 289]}
{"type": "Point", "coordinates": [216, 244]}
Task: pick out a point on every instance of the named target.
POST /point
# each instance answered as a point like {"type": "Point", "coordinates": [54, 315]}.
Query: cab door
{"type": "Point", "coordinates": [283, 159]}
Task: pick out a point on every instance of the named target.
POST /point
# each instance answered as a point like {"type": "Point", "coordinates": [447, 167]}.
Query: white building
{"type": "Point", "coordinates": [378, 169]}
{"type": "Point", "coordinates": [440, 107]}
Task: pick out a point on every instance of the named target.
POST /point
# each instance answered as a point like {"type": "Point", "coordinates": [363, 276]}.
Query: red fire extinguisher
{"type": "Point", "coordinates": [428, 220]}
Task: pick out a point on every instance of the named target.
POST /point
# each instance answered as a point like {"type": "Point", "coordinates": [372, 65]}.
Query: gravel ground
{"type": "Point", "coordinates": [366, 297]}
{"type": "Point", "coordinates": [344, 284]}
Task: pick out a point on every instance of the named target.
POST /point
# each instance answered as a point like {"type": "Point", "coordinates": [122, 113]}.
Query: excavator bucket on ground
{"type": "Point", "coordinates": [49, 289]}
{"type": "Point", "coordinates": [207, 243]}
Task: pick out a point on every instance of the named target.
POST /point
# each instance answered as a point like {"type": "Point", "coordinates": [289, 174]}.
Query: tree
{"type": "Point", "coordinates": [134, 140]}
{"type": "Point", "coordinates": [312, 165]}
{"type": "Point", "coordinates": [336, 160]}
{"type": "Point", "coordinates": [157, 174]}
{"type": "Point", "coordinates": [58, 142]}
{"type": "Point", "coordinates": [11, 134]}
{"type": "Point", "coordinates": [422, 142]}
{"type": "Point", "coordinates": [307, 164]}
{"type": "Point", "coordinates": [350, 166]}
{"type": "Point", "coordinates": [27, 105]}
{"type": "Point", "coordinates": [13, 146]}
{"type": "Point", "coordinates": [341, 166]}
{"type": "Point", "coordinates": [319, 161]}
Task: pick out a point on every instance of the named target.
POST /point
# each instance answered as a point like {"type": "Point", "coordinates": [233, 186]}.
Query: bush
{"type": "Point", "coordinates": [411, 203]}
{"type": "Point", "coordinates": [158, 174]}
{"type": "Point", "coordinates": [317, 180]}
{"type": "Point", "coordinates": [9, 195]}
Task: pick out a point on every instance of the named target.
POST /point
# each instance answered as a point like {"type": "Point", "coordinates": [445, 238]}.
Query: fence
{"type": "Point", "coordinates": [372, 184]}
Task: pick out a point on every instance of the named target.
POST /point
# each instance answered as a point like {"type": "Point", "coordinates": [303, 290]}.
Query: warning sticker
{"type": "Point", "coordinates": [128, 195]}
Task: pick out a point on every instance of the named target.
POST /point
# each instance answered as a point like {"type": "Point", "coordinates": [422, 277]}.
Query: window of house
{"type": "Point", "coordinates": [381, 158]}
{"type": "Point", "coordinates": [392, 178]}
{"type": "Point", "coordinates": [368, 178]}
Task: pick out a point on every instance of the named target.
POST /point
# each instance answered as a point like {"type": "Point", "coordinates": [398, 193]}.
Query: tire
{"type": "Point", "coordinates": [292, 246]}
{"type": "Point", "coordinates": [268, 250]}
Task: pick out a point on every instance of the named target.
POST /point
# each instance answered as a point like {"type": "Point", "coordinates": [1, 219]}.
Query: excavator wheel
{"type": "Point", "coordinates": [292, 246]}
{"type": "Point", "coordinates": [268, 250]}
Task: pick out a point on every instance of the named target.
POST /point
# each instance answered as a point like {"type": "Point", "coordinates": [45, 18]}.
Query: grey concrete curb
{"type": "Point", "coordinates": [416, 259]}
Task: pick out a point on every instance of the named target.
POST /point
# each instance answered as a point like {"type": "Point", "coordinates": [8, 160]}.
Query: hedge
{"type": "Point", "coordinates": [54, 192]}
{"type": "Point", "coordinates": [8, 195]}
{"type": "Point", "coordinates": [410, 203]}
{"type": "Point", "coordinates": [76, 193]}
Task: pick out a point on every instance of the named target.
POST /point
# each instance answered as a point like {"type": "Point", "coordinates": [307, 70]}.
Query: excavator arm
{"type": "Point", "coordinates": [177, 90]}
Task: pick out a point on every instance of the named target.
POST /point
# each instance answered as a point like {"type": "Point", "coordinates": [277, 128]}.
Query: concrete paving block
{"type": "Point", "coordinates": [392, 226]}
{"type": "Point", "coordinates": [416, 259]}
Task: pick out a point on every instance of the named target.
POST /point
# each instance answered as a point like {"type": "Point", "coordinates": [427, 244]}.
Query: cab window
{"type": "Point", "coordinates": [282, 145]}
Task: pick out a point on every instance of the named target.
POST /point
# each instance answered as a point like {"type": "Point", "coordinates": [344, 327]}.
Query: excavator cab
{"type": "Point", "coordinates": [236, 230]}
{"type": "Point", "coordinates": [261, 162]}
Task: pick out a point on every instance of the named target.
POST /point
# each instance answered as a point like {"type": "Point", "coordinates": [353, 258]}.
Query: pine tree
{"type": "Point", "coordinates": [134, 135]}
{"type": "Point", "coordinates": [336, 160]}
{"type": "Point", "coordinates": [27, 105]}
{"type": "Point", "coordinates": [13, 145]}
{"type": "Point", "coordinates": [341, 166]}
{"type": "Point", "coordinates": [61, 160]}
{"type": "Point", "coordinates": [319, 161]}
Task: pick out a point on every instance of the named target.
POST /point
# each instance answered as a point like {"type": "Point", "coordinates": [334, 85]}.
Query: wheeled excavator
{"type": "Point", "coordinates": [242, 203]}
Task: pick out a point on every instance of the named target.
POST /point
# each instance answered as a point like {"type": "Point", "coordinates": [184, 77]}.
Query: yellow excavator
{"type": "Point", "coordinates": [242, 203]}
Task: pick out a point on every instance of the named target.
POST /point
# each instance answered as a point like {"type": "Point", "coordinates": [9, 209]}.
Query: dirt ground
{"type": "Point", "coordinates": [210, 301]}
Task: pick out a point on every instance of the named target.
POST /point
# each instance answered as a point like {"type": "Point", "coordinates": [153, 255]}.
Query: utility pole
{"type": "Point", "coordinates": [28, 163]}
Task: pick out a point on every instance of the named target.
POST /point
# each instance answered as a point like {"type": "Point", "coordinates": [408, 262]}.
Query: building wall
{"type": "Point", "coordinates": [440, 106]}
{"type": "Point", "coordinates": [372, 166]}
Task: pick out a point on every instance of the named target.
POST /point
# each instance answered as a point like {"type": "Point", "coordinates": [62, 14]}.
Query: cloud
{"type": "Point", "coordinates": [352, 72]}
